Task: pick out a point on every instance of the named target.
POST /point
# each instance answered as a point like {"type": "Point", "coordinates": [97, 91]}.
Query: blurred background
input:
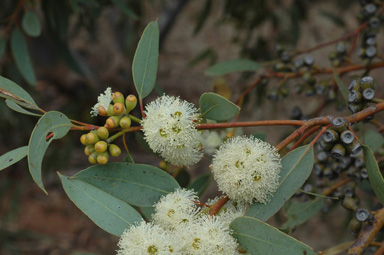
{"type": "Point", "coordinates": [84, 46]}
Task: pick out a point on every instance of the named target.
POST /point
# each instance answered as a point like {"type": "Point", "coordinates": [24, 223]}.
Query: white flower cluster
{"type": "Point", "coordinates": [169, 129]}
{"type": "Point", "coordinates": [180, 227]}
{"type": "Point", "coordinates": [103, 100]}
{"type": "Point", "coordinates": [247, 169]}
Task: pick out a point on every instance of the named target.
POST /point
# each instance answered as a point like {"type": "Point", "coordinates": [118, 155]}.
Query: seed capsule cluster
{"type": "Point", "coordinates": [369, 13]}
{"type": "Point", "coordinates": [361, 92]}
{"type": "Point", "coordinates": [337, 57]}
{"type": "Point", "coordinates": [339, 141]}
{"type": "Point", "coordinates": [98, 146]}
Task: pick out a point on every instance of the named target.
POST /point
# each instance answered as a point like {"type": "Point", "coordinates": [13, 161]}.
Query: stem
{"type": "Point", "coordinates": [126, 130]}
{"type": "Point", "coordinates": [305, 136]}
{"type": "Point", "coordinates": [252, 124]}
{"type": "Point", "coordinates": [342, 182]}
{"type": "Point", "coordinates": [216, 207]}
{"type": "Point", "coordinates": [135, 119]}
{"type": "Point", "coordinates": [141, 107]}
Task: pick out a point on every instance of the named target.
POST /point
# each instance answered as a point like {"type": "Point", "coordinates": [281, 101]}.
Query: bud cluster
{"type": "Point", "coordinates": [117, 108]}
{"type": "Point", "coordinates": [361, 92]}
{"type": "Point", "coordinates": [97, 147]}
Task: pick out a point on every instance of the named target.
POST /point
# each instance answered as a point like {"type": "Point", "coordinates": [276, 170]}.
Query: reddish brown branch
{"type": "Point", "coordinates": [367, 234]}
{"type": "Point", "coordinates": [216, 207]}
{"type": "Point", "coordinates": [305, 136]}
{"type": "Point", "coordinates": [252, 124]}
{"type": "Point", "coordinates": [338, 184]}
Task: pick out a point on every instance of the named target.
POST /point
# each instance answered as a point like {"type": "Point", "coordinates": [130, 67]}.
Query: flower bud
{"type": "Point", "coordinates": [130, 102]}
{"type": "Point", "coordinates": [91, 138]}
{"type": "Point", "coordinates": [110, 111]}
{"type": "Point", "coordinates": [93, 158]}
{"type": "Point", "coordinates": [88, 150]}
{"type": "Point", "coordinates": [112, 122]}
{"type": "Point", "coordinates": [101, 146]}
{"type": "Point", "coordinates": [102, 158]}
{"type": "Point", "coordinates": [103, 133]}
{"type": "Point", "coordinates": [125, 122]}
{"type": "Point", "coordinates": [118, 108]}
{"type": "Point", "coordinates": [117, 97]}
{"type": "Point", "coordinates": [101, 110]}
{"type": "Point", "coordinates": [114, 150]}
{"type": "Point", "coordinates": [83, 139]}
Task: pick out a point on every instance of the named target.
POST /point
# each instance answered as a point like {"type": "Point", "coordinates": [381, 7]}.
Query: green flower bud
{"type": "Point", "coordinates": [83, 139]}
{"type": "Point", "coordinates": [117, 97]}
{"type": "Point", "coordinates": [110, 111]}
{"type": "Point", "coordinates": [118, 108]}
{"type": "Point", "coordinates": [93, 157]}
{"type": "Point", "coordinates": [114, 150]}
{"type": "Point", "coordinates": [102, 158]}
{"type": "Point", "coordinates": [130, 102]}
{"type": "Point", "coordinates": [88, 150]}
{"type": "Point", "coordinates": [112, 122]}
{"type": "Point", "coordinates": [125, 122]}
{"type": "Point", "coordinates": [101, 146]}
{"type": "Point", "coordinates": [103, 133]}
{"type": "Point", "coordinates": [91, 138]}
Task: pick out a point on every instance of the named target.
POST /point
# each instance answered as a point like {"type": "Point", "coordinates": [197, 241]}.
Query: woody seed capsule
{"type": "Point", "coordinates": [362, 214]}
{"type": "Point", "coordinates": [339, 124]}
{"type": "Point", "coordinates": [330, 136]}
{"type": "Point", "coordinates": [368, 94]}
{"type": "Point", "coordinates": [338, 151]}
{"type": "Point", "coordinates": [347, 137]}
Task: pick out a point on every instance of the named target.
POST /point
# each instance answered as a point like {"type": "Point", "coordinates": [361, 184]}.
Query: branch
{"type": "Point", "coordinates": [367, 234]}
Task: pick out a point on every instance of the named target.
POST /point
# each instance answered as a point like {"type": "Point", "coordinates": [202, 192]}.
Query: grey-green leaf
{"type": "Point", "coordinates": [297, 166]}
{"type": "Point", "coordinates": [373, 140]}
{"type": "Point", "coordinates": [238, 65]}
{"type": "Point", "coordinates": [11, 104]}
{"type": "Point", "coordinates": [340, 85]}
{"type": "Point", "coordinates": [124, 8]}
{"type": "Point", "coordinates": [145, 61]}
{"type": "Point", "coordinates": [258, 237]}
{"type": "Point", "coordinates": [200, 183]}
{"type": "Point", "coordinates": [31, 24]}
{"type": "Point", "coordinates": [147, 212]}
{"type": "Point", "coordinates": [216, 107]}
{"type": "Point", "coordinates": [107, 211]}
{"type": "Point", "coordinates": [374, 174]}
{"type": "Point", "coordinates": [12, 91]}
{"type": "Point", "coordinates": [21, 55]}
{"type": "Point", "coordinates": [13, 156]}
{"type": "Point", "coordinates": [52, 123]}
{"type": "Point", "coordinates": [298, 213]}
{"type": "Point", "coordinates": [3, 43]}
{"type": "Point", "coordinates": [136, 184]}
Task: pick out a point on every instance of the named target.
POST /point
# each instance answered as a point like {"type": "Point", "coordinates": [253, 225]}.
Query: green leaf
{"type": "Point", "coordinates": [147, 212]}
{"type": "Point", "coordinates": [260, 136]}
{"type": "Point", "coordinates": [3, 43]}
{"type": "Point", "coordinates": [231, 66]}
{"type": "Point", "coordinates": [298, 213]}
{"type": "Point", "coordinates": [13, 92]}
{"type": "Point", "coordinates": [216, 107]}
{"type": "Point", "coordinates": [183, 178]}
{"type": "Point", "coordinates": [145, 61]}
{"type": "Point", "coordinates": [18, 108]}
{"type": "Point", "coordinates": [13, 156]}
{"type": "Point", "coordinates": [258, 237]}
{"type": "Point", "coordinates": [297, 166]}
{"type": "Point", "coordinates": [31, 24]}
{"type": "Point", "coordinates": [107, 211]}
{"type": "Point", "coordinates": [373, 140]}
{"type": "Point", "coordinates": [374, 174]}
{"type": "Point", "coordinates": [200, 183]}
{"type": "Point", "coordinates": [123, 7]}
{"type": "Point", "coordinates": [341, 86]}
{"type": "Point", "coordinates": [21, 55]}
{"type": "Point", "coordinates": [136, 184]}
{"type": "Point", "coordinates": [52, 122]}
